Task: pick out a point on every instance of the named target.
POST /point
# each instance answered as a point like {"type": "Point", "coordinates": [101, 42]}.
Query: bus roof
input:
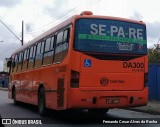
{"type": "Point", "coordinates": [85, 14]}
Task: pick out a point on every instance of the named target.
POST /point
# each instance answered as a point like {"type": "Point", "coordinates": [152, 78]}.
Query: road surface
{"type": "Point", "coordinates": [71, 119]}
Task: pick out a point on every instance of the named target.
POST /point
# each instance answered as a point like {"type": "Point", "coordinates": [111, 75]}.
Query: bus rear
{"type": "Point", "coordinates": [108, 63]}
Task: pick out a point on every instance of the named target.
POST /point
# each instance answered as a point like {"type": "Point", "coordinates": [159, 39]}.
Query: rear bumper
{"type": "Point", "coordinates": [99, 99]}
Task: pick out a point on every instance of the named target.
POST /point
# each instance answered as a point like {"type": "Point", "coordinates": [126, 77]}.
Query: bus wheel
{"type": "Point", "coordinates": [41, 102]}
{"type": "Point", "coordinates": [98, 111]}
{"type": "Point", "coordinates": [14, 96]}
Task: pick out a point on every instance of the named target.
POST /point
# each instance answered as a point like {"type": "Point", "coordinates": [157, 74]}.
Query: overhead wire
{"type": "Point", "coordinates": [61, 18]}
{"type": "Point", "coordinates": [71, 12]}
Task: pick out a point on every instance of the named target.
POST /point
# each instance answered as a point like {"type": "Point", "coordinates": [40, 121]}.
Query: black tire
{"type": "Point", "coordinates": [42, 102]}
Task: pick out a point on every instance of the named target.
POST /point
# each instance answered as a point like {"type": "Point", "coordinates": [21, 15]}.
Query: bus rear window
{"type": "Point", "coordinates": [110, 36]}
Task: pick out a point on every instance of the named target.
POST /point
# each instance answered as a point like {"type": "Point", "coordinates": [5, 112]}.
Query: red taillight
{"type": "Point", "coordinates": [74, 82]}
{"type": "Point", "coordinates": [146, 79]}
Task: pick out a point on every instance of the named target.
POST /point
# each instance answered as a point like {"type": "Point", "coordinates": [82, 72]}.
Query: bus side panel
{"type": "Point", "coordinates": [26, 86]}
{"type": "Point", "coordinates": [44, 77]}
{"type": "Point", "coordinates": [17, 84]}
{"type": "Point", "coordinates": [50, 76]}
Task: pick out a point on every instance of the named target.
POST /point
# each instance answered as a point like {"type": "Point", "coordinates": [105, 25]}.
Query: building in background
{"type": "Point", "coordinates": [4, 75]}
{"type": "Point", "coordinates": [4, 79]}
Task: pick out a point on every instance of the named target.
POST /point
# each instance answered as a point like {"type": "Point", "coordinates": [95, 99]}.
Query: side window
{"type": "Point", "coordinates": [47, 44]}
{"type": "Point", "coordinates": [65, 35]}
{"type": "Point", "coordinates": [31, 56]}
{"type": "Point", "coordinates": [20, 58]}
{"type": "Point", "coordinates": [38, 49]}
{"type": "Point", "coordinates": [25, 54]}
{"type": "Point", "coordinates": [59, 37]}
{"type": "Point", "coordinates": [25, 59]}
{"type": "Point", "coordinates": [16, 59]}
{"type": "Point", "coordinates": [59, 42]}
{"type": "Point", "coordinates": [15, 63]}
{"type": "Point", "coordinates": [31, 53]}
{"type": "Point", "coordinates": [65, 39]}
{"type": "Point", "coordinates": [22, 55]}
{"type": "Point", "coordinates": [52, 43]}
{"type": "Point", "coordinates": [20, 61]}
{"type": "Point", "coordinates": [39, 54]}
{"type": "Point", "coordinates": [42, 47]}
{"type": "Point", "coordinates": [61, 45]}
{"type": "Point", "coordinates": [34, 51]}
{"type": "Point", "coordinates": [49, 52]}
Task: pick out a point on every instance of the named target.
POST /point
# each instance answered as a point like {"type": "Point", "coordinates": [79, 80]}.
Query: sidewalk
{"type": "Point", "coordinates": [152, 107]}
{"type": "Point", "coordinates": [4, 89]}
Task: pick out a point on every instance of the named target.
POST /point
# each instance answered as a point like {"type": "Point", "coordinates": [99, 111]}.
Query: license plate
{"type": "Point", "coordinates": [113, 100]}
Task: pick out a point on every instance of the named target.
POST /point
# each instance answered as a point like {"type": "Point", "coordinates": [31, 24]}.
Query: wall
{"type": "Point", "coordinates": [5, 81]}
{"type": "Point", "coordinates": [154, 81]}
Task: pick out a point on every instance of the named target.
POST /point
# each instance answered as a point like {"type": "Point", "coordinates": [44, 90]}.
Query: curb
{"type": "Point", "coordinates": [4, 89]}
{"type": "Point", "coordinates": [145, 110]}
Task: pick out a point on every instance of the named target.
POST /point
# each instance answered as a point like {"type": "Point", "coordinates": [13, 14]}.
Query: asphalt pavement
{"type": "Point", "coordinates": [153, 107]}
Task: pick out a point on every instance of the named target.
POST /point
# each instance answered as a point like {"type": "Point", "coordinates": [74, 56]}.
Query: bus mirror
{"type": "Point", "coordinates": [9, 63]}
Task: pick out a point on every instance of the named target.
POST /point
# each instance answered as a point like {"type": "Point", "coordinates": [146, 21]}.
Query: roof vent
{"type": "Point", "coordinates": [86, 13]}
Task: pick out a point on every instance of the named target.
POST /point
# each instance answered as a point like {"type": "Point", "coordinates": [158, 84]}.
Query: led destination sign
{"type": "Point", "coordinates": [112, 36]}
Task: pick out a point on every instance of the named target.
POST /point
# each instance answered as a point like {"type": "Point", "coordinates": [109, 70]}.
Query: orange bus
{"type": "Point", "coordinates": [86, 62]}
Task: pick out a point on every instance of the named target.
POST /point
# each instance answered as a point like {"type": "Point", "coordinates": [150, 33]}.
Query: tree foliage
{"type": "Point", "coordinates": [154, 54]}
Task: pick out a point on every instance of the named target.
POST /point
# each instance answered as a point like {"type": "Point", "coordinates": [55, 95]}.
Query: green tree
{"type": "Point", "coordinates": [154, 54]}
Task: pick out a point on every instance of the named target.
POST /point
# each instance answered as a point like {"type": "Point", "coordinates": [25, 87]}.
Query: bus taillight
{"type": "Point", "coordinates": [74, 82]}
{"type": "Point", "coordinates": [146, 79]}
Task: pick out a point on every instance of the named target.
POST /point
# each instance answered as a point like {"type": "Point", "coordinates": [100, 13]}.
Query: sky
{"type": "Point", "coordinates": [41, 15]}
